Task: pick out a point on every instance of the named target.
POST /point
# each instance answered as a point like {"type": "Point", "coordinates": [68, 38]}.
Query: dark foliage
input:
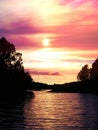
{"type": "Point", "coordinates": [87, 73]}
{"type": "Point", "coordinates": [87, 86]}
{"type": "Point", "coordinates": [14, 81]}
{"type": "Point", "coordinates": [84, 73]}
{"type": "Point", "coordinates": [94, 69]}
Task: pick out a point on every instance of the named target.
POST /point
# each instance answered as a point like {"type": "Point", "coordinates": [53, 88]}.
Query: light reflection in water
{"type": "Point", "coordinates": [50, 111]}
{"type": "Point", "coordinates": [60, 111]}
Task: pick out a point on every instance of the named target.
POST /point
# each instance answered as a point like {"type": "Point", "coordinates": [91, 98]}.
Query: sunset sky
{"type": "Point", "coordinates": [56, 37]}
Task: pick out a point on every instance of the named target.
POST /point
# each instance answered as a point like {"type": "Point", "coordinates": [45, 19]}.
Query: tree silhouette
{"type": "Point", "coordinates": [94, 69]}
{"type": "Point", "coordinates": [13, 77]}
{"type": "Point", "coordinates": [84, 73]}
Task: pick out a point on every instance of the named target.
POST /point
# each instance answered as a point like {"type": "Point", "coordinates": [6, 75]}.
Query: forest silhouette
{"type": "Point", "coordinates": [88, 73]}
{"type": "Point", "coordinates": [14, 81]}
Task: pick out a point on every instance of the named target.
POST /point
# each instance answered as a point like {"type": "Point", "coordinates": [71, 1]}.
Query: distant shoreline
{"type": "Point", "coordinates": [87, 86]}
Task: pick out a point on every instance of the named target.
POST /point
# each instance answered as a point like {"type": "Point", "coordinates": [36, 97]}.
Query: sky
{"type": "Point", "coordinates": [56, 37]}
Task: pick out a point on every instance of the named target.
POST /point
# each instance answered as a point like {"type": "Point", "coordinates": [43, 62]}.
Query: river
{"type": "Point", "coordinates": [51, 111]}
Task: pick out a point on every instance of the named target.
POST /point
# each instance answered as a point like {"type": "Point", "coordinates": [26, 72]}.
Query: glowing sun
{"type": "Point", "coordinates": [46, 42]}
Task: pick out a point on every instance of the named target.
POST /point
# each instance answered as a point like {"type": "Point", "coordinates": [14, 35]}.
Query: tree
{"type": "Point", "coordinates": [94, 69]}
{"type": "Point", "coordinates": [84, 73]}
{"type": "Point", "coordinates": [12, 74]}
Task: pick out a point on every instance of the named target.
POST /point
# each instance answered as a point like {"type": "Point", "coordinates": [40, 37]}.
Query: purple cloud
{"type": "Point", "coordinates": [43, 73]}
{"type": "Point", "coordinates": [77, 3]}
{"type": "Point", "coordinates": [23, 42]}
{"type": "Point", "coordinates": [73, 3]}
{"type": "Point", "coordinates": [20, 27]}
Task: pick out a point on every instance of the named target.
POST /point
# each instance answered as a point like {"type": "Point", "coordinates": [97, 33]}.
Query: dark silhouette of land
{"type": "Point", "coordinates": [87, 86]}
{"type": "Point", "coordinates": [14, 81]}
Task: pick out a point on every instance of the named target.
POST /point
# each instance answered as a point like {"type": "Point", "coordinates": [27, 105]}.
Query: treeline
{"type": "Point", "coordinates": [87, 81]}
{"type": "Point", "coordinates": [14, 81]}
{"type": "Point", "coordinates": [88, 73]}
{"type": "Point", "coordinates": [87, 86]}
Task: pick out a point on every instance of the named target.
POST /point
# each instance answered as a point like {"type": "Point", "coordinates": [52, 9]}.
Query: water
{"type": "Point", "coordinates": [51, 111]}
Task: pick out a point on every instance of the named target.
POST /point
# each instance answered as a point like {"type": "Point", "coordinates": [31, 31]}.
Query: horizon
{"type": "Point", "coordinates": [57, 37]}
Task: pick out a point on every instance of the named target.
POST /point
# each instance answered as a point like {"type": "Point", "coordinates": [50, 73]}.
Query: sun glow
{"type": "Point", "coordinates": [46, 42]}
{"type": "Point", "coordinates": [63, 64]}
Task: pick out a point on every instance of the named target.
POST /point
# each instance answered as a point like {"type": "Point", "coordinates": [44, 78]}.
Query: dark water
{"type": "Point", "coordinates": [51, 111]}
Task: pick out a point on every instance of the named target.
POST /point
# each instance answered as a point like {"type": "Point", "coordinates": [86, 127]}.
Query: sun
{"type": "Point", "coordinates": [46, 42]}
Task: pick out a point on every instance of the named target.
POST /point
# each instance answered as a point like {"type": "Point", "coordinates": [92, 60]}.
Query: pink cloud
{"type": "Point", "coordinates": [18, 31]}
{"type": "Point", "coordinates": [76, 3]}
{"type": "Point", "coordinates": [22, 42]}
{"type": "Point", "coordinates": [43, 73]}
{"type": "Point", "coordinates": [82, 41]}
{"type": "Point", "coordinates": [63, 2]}
{"type": "Point", "coordinates": [20, 27]}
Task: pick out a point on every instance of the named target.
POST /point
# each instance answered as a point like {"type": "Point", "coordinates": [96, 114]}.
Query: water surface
{"type": "Point", "coordinates": [51, 111]}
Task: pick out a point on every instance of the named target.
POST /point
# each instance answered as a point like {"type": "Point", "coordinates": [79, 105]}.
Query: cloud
{"type": "Point", "coordinates": [79, 37]}
{"type": "Point", "coordinates": [55, 74]}
{"type": "Point", "coordinates": [76, 3]}
{"type": "Point", "coordinates": [20, 27]}
{"type": "Point", "coordinates": [77, 28]}
{"type": "Point", "coordinates": [21, 33]}
{"type": "Point", "coordinates": [22, 42]}
{"type": "Point", "coordinates": [43, 73]}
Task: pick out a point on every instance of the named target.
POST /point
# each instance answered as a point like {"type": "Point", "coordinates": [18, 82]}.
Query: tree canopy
{"type": "Point", "coordinates": [88, 73]}
{"type": "Point", "coordinates": [13, 78]}
{"type": "Point", "coordinates": [94, 70]}
{"type": "Point", "coordinates": [84, 73]}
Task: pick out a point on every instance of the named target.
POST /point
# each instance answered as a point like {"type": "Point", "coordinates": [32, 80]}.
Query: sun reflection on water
{"type": "Point", "coordinates": [54, 111]}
